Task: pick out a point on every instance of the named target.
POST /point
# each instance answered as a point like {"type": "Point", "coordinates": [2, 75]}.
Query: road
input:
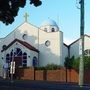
{"type": "Point", "coordinates": [38, 85]}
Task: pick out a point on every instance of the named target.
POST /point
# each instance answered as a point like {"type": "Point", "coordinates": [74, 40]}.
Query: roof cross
{"type": "Point", "coordinates": [26, 16]}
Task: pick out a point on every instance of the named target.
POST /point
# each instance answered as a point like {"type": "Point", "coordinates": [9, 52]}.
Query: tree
{"type": "Point", "coordinates": [69, 62]}
{"type": "Point", "coordinates": [74, 63]}
{"type": "Point", "coordinates": [9, 9]}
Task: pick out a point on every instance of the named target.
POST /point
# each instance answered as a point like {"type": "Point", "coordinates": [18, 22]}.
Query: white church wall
{"type": "Point", "coordinates": [74, 49]}
{"type": "Point", "coordinates": [8, 39]}
{"type": "Point", "coordinates": [5, 41]}
{"type": "Point", "coordinates": [31, 34]}
{"type": "Point", "coordinates": [65, 52]}
{"type": "Point", "coordinates": [1, 57]}
{"type": "Point", "coordinates": [86, 42]}
{"type": "Point", "coordinates": [2, 61]}
{"type": "Point", "coordinates": [52, 53]}
{"type": "Point", "coordinates": [61, 47]}
{"type": "Point", "coordinates": [1, 44]}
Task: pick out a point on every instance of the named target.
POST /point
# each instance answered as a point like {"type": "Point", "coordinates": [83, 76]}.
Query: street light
{"type": "Point", "coordinates": [81, 65]}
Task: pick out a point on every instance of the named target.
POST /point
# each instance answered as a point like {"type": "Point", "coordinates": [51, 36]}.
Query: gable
{"type": "Point", "coordinates": [23, 43]}
{"type": "Point", "coordinates": [30, 30]}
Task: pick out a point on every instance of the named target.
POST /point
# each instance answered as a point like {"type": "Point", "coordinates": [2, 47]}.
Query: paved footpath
{"type": "Point", "coordinates": [38, 85]}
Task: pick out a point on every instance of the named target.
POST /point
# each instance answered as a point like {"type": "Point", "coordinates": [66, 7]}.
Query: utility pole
{"type": "Point", "coordinates": [81, 65]}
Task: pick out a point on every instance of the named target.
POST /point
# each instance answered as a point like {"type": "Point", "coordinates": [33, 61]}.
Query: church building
{"type": "Point", "coordinates": [31, 46]}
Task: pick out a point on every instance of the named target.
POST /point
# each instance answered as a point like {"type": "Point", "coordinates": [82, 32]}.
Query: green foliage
{"type": "Point", "coordinates": [74, 63]}
{"type": "Point", "coordinates": [87, 62]}
{"type": "Point", "coordinates": [48, 67]}
{"type": "Point", "coordinates": [40, 68]}
{"type": "Point", "coordinates": [9, 9]}
{"type": "Point", "coordinates": [52, 66]}
{"type": "Point", "coordinates": [69, 62]}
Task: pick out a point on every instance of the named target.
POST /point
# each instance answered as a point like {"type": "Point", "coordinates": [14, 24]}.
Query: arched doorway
{"type": "Point", "coordinates": [19, 57]}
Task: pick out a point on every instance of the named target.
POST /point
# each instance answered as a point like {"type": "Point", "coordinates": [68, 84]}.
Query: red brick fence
{"type": "Point", "coordinates": [60, 75]}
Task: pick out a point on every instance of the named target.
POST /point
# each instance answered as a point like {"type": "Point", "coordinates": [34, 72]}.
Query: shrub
{"type": "Point", "coordinates": [52, 66]}
{"type": "Point", "coordinates": [69, 62]}
{"type": "Point", "coordinates": [74, 63]}
{"type": "Point", "coordinates": [48, 67]}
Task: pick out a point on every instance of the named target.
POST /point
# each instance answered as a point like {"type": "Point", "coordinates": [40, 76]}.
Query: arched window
{"type": "Point", "coordinates": [53, 30]}
{"type": "Point", "coordinates": [11, 55]}
{"type": "Point", "coordinates": [35, 61]}
{"type": "Point", "coordinates": [24, 60]}
{"type": "Point", "coordinates": [7, 58]}
{"type": "Point", "coordinates": [18, 52]}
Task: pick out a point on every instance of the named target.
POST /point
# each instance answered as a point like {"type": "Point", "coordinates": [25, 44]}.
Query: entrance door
{"type": "Point", "coordinates": [18, 62]}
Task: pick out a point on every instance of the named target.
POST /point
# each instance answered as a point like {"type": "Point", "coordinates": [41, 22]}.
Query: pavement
{"type": "Point", "coordinates": [39, 85]}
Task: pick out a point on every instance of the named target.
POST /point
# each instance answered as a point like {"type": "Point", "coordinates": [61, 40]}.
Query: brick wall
{"type": "Point", "coordinates": [39, 75]}
{"type": "Point", "coordinates": [53, 75]}
{"type": "Point", "coordinates": [63, 75]}
{"type": "Point", "coordinates": [26, 74]}
{"type": "Point", "coordinates": [56, 75]}
{"type": "Point", "coordinates": [49, 75]}
{"type": "Point", "coordinates": [60, 75]}
{"type": "Point", "coordinates": [87, 76]}
{"type": "Point", "coordinates": [72, 76]}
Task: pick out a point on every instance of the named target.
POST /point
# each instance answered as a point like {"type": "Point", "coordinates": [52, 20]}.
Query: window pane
{"type": "Point", "coordinates": [35, 61]}
{"type": "Point", "coordinates": [24, 65]}
{"type": "Point", "coordinates": [24, 61]}
{"type": "Point", "coordinates": [24, 57]}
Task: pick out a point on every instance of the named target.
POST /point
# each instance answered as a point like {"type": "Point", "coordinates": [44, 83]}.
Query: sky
{"type": "Point", "coordinates": [64, 12]}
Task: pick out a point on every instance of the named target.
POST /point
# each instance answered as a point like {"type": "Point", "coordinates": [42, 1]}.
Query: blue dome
{"type": "Point", "coordinates": [49, 22]}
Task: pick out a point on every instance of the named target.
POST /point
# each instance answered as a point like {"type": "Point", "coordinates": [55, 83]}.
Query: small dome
{"type": "Point", "coordinates": [49, 26]}
{"type": "Point", "coordinates": [49, 22]}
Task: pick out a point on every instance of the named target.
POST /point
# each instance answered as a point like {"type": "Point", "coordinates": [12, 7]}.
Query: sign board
{"type": "Point", "coordinates": [12, 67]}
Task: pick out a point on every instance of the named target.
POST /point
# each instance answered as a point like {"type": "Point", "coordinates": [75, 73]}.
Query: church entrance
{"type": "Point", "coordinates": [19, 57]}
{"type": "Point", "coordinates": [18, 63]}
